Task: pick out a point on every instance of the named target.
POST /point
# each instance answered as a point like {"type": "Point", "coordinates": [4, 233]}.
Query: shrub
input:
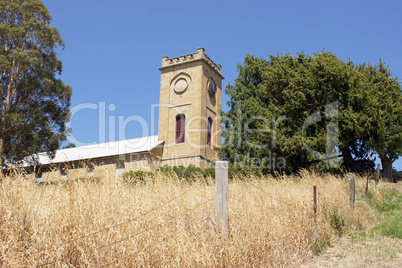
{"type": "Point", "coordinates": [88, 179]}
{"type": "Point", "coordinates": [166, 171]}
{"type": "Point", "coordinates": [189, 173]}
{"type": "Point", "coordinates": [136, 177]}
{"type": "Point", "coordinates": [209, 172]}
{"type": "Point", "coordinates": [243, 171]}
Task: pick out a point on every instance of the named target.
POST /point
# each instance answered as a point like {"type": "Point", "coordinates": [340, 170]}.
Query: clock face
{"type": "Point", "coordinates": [211, 87]}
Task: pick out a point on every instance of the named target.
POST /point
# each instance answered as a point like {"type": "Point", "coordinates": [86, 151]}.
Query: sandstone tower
{"type": "Point", "coordinates": [189, 113]}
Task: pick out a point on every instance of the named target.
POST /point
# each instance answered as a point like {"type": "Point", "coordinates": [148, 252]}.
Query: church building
{"type": "Point", "coordinates": [189, 128]}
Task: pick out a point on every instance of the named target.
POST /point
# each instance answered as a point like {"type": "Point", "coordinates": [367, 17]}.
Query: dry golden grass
{"type": "Point", "coordinates": [168, 222]}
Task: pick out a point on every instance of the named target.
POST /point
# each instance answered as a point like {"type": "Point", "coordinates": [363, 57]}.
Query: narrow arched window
{"type": "Point", "coordinates": [209, 135]}
{"type": "Point", "coordinates": [180, 128]}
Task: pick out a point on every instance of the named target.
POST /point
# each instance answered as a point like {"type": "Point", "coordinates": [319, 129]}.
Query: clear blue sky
{"type": "Point", "coordinates": [114, 48]}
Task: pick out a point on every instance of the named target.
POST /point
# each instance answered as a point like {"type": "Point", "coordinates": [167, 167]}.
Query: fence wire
{"type": "Point", "coordinates": [115, 225]}
{"type": "Point", "coordinates": [172, 218]}
{"type": "Point", "coordinates": [133, 235]}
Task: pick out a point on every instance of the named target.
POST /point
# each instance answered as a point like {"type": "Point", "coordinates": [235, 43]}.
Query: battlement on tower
{"type": "Point", "coordinates": [200, 54]}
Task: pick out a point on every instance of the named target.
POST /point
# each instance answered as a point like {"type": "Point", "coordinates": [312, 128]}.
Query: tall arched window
{"type": "Point", "coordinates": [209, 135]}
{"type": "Point", "coordinates": [180, 128]}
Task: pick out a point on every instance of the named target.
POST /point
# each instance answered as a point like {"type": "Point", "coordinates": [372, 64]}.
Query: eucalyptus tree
{"type": "Point", "coordinates": [34, 100]}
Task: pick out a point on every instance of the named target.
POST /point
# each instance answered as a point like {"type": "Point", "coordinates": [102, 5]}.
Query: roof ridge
{"type": "Point", "coordinates": [97, 145]}
{"type": "Point", "coordinates": [129, 146]}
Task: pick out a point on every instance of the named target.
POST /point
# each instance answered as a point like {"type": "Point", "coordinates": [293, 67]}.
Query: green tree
{"type": "Point", "coordinates": [386, 114]}
{"type": "Point", "coordinates": [34, 101]}
{"type": "Point", "coordinates": [300, 108]}
{"type": "Point", "coordinates": [245, 103]}
{"type": "Point", "coordinates": [70, 145]}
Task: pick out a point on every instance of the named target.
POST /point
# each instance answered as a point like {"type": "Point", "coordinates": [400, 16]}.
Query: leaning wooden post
{"type": "Point", "coordinates": [377, 175]}
{"type": "Point", "coordinates": [352, 191]}
{"type": "Point", "coordinates": [315, 202]}
{"type": "Point", "coordinates": [222, 195]}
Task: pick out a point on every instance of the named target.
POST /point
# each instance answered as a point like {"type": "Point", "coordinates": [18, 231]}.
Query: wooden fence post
{"type": "Point", "coordinates": [377, 175]}
{"type": "Point", "coordinates": [352, 191]}
{"type": "Point", "coordinates": [222, 195]}
{"type": "Point", "coordinates": [315, 202]}
{"type": "Point", "coordinates": [368, 176]}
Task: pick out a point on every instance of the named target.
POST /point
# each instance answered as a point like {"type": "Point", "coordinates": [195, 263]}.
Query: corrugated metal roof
{"type": "Point", "coordinates": [131, 146]}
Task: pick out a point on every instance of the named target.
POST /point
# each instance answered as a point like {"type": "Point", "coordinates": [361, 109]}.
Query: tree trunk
{"type": "Point", "coordinates": [387, 168]}
{"type": "Point", "coordinates": [348, 159]}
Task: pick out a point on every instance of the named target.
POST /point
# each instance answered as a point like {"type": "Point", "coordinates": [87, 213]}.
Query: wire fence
{"type": "Point", "coordinates": [286, 201]}
{"type": "Point", "coordinates": [117, 224]}
{"type": "Point", "coordinates": [174, 234]}
{"type": "Point", "coordinates": [128, 237]}
{"type": "Point", "coordinates": [265, 199]}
